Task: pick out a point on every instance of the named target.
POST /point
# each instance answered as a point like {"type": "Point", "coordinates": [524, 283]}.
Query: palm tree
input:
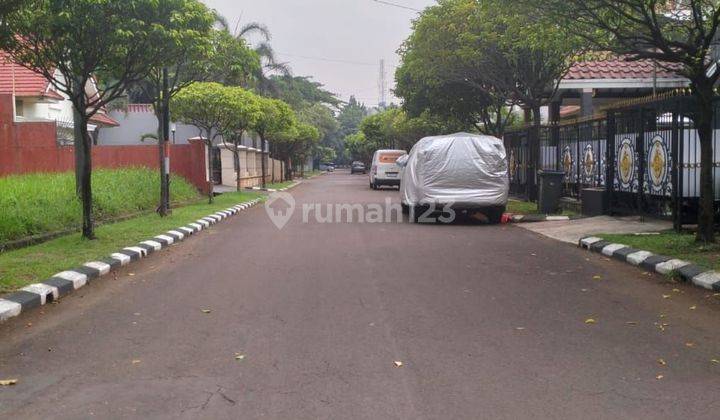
{"type": "Point", "coordinates": [268, 59]}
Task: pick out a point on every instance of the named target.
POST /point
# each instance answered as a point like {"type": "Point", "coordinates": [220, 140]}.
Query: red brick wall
{"type": "Point", "coordinates": [29, 147]}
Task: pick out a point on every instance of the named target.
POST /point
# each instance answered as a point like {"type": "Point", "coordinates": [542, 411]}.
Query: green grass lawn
{"type": "Point", "coordinates": [671, 244]}
{"type": "Point", "coordinates": [42, 203]}
{"type": "Point", "coordinates": [526, 207]}
{"type": "Point", "coordinates": [278, 185]}
{"type": "Point", "coordinates": [37, 263]}
{"type": "Point", "coordinates": [312, 174]}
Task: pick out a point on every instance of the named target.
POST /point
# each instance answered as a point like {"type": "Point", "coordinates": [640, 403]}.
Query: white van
{"type": "Point", "coordinates": [384, 169]}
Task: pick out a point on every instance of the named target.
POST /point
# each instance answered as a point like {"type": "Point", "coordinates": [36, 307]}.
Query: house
{"type": "Point", "coordinates": [590, 86]}
{"type": "Point", "coordinates": [36, 99]}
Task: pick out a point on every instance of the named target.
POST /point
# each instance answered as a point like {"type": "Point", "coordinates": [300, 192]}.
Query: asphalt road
{"type": "Point", "coordinates": [488, 322]}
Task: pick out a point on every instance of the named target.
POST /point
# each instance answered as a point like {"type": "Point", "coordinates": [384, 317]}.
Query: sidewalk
{"type": "Point", "coordinates": [574, 230]}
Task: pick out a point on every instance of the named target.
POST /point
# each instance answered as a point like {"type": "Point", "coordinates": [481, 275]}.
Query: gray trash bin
{"type": "Point", "coordinates": [550, 191]}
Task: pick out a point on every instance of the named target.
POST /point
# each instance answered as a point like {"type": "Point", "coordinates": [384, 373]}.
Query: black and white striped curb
{"type": "Point", "coordinates": [530, 218]}
{"type": "Point", "coordinates": [700, 277]}
{"type": "Point", "coordinates": [66, 282]}
{"type": "Point", "coordinates": [293, 185]}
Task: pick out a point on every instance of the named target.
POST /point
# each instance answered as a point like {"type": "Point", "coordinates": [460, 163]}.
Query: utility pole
{"type": "Point", "coordinates": [382, 86]}
{"type": "Point", "coordinates": [164, 147]}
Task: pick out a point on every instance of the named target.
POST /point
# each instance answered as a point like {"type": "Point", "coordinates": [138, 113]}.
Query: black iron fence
{"type": "Point", "coordinates": [646, 156]}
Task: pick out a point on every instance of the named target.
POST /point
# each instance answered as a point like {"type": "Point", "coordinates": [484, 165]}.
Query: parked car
{"type": "Point", "coordinates": [327, 167]}
{"type": "Point", "coordinates": [467, 172]}
{"type": "Point", "coordinates": [358, 168]}
{"type": "Point", "coordinates": [384, 169]}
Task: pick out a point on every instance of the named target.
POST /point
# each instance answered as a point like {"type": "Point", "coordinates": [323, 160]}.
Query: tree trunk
{"type": "Point", "coordinates": [83, 166]}
{"type": "Point", "coordinates": [211, 183]}
{"type": "Point", "coordinates": [703, 124]}
{"type": "Point", "coordinates": [534, 140]}
{"type": "Point", "coordinates": [263, 163]}
{"type": "Point", "coordinates": [236, 156]}
{"type": "Point", "coordinates": [272, 167]}
{"type": "Point", "coordinates": [288, 169]}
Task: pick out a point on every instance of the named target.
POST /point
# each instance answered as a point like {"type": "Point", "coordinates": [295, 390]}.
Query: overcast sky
{"type": "Point", "coordinates": [338, 42]}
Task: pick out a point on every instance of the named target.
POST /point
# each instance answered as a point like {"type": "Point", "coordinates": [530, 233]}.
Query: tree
{"type": "Point", "coordinates": [476, 57]}
{"type": "Point", "coordinates": [211, 108]}
{"type": "Point", "coordinates": [307, 138]}
{"type": "Point", "coordinates": [675, 33]}
{"type": "Point", "coordinates": [321, 117]}
{"type": "Point", "coordinates": [394, 129]}
{"type": "Point", "coordinates": [262, 80]}
{"type": "Point", "coordinates": [436, 75]}
{"type": "Point", "coordinates": [80, 45]}
{"type": "Point", "coordinates": [246, 111]}
{"type": "Point", "coordinates": [275, 117]}
{"type": "Point", "coordinates": [300, 92]}
{"type": "Point", "coordinates": [349, 118]}
{"type": "Point", "coordinates": [187, 54]}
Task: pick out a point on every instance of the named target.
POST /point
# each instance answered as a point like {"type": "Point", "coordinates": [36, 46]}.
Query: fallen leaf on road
{"type": "Point", "coordinates": [520, 328]}
{"type": "Point", "coordinates": [534, 255]}
{"type": "Point", "coordinates": [8, 382]}
{"type": "Point", "coordinates": [692, 308]}
{"type": "Point", "coordinates": [631, 323]}
{"type": "Point", "coordinates": [663, 315]}
{"type": "Point", "coordinates": [659, 377]}
{"type": "Point", "coordinates": [398, 363]}
{"type": "Point", "coordinates": [239, 356]}
{"type": "Point", "coordinates": [676, 290]}
{"type": "Point", "coordinates": [662, 362]}
{"type": "Point", "coordinates": [597, 277]}
{"type": "Point", "coordinates": [690, 344]}
{"type": "Point", "coordinates": [136, 361]}
{"type": "Point", "coordinates": [590, 321]}
{"type": "Point", "coordinates": [716, 361]}
{"type": "Point", "coordinates": [206, 311]}
{"type": "Point", "coordinates": [131, 274]}
{"type": "Point", "coordinates": [666, 296]}
{"type": "Point", "coordinates": [584, 290]}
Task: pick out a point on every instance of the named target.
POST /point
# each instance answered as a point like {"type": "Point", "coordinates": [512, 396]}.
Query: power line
{"type": "Point", "coordinates": [401, 6]}
{"type": "Point", "coordinates": [330, 60]}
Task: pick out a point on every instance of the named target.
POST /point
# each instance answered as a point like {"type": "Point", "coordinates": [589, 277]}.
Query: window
{"type": "Point", "coordinates": [19, 111]}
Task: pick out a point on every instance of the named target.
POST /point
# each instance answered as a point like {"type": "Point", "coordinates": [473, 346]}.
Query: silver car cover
{"type": "Point", "coordinates": [467, 170]}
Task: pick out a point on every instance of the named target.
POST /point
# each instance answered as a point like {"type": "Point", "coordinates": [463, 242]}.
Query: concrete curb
{"type": "Point", "coordinates": [66, 282]}
{"type": "Point", "coordinates": [661, 264]}
{"type": "Point", "coordinates": [532, 218]}
{"type": "Point", "coordinates": [291, 186]}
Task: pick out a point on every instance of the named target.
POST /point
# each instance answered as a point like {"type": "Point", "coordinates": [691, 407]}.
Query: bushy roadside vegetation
{"type": "Point", "coordinates": [42, 203]}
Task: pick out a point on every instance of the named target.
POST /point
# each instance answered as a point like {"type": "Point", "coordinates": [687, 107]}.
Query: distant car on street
{"type": "Point", "coordinates": [358, 168]}
{"type": "Point", "coordinates": [327, 167]}
{"type": "Point", "coordinates": [384, 169]}
{"type": "Point", "coordinates": [468, 172]}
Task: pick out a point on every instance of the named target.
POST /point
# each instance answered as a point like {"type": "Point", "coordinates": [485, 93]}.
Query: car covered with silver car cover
{"type": "Point", "coordinates": [465, 171]}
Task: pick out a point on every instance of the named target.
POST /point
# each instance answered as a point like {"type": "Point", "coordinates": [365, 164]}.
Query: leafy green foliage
{"type": "Point", "coordinates": [300, 92]}
{"type": "Point", "coordinates": [394, 129]}
{"type": "Point", "coordinates": [274, 118]}
{"type": "Point", "coordinates": [42, 203]}
{"type": "Point", "coordinates": [470, 60]}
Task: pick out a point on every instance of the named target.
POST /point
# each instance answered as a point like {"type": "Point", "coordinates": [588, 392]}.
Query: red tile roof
{"type": "Point", "coordinates": [103, 120]}
{"type": "Point", "coordinates": [620, 68]}
{"type": "Point", "coordinates": [23, 82]}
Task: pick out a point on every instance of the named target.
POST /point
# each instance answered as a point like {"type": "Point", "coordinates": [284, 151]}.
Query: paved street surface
{"type": "Point", "coordinates": [488, 322]}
